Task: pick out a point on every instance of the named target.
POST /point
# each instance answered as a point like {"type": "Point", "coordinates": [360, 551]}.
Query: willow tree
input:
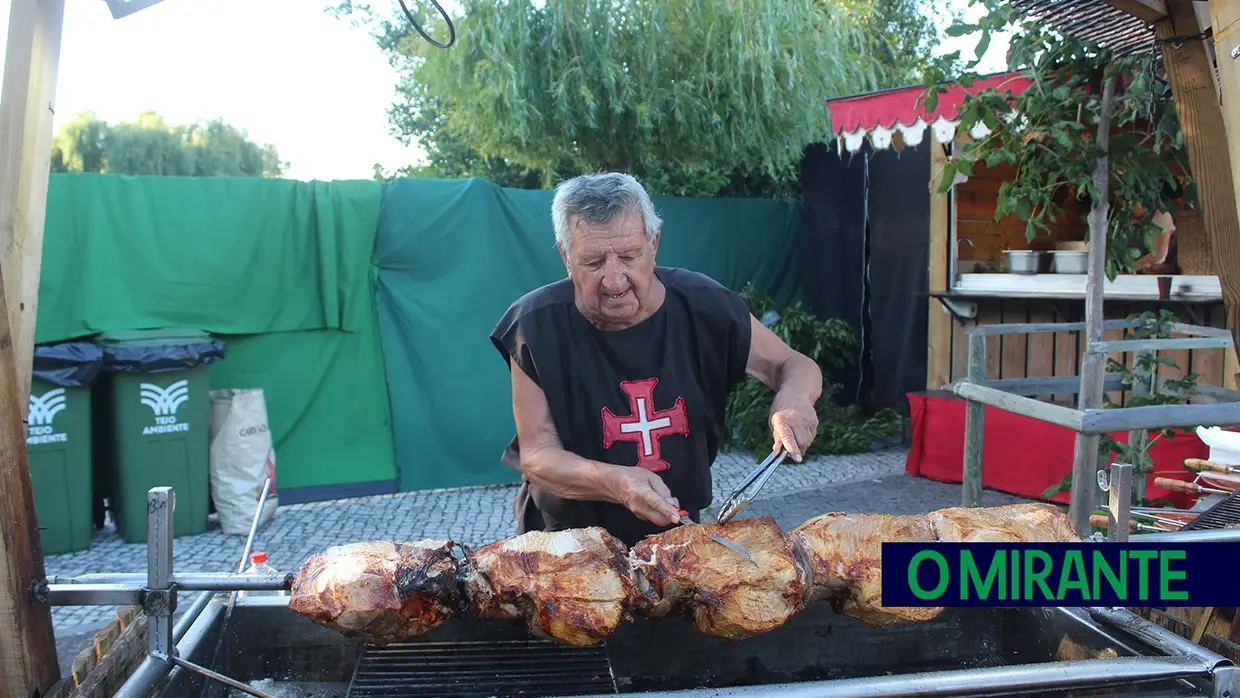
{"type": "Point", "coordinates": [690, 95]}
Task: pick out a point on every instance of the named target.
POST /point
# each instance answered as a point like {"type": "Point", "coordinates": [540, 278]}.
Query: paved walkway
{"type": "Point", "coordinates": [870, 482]}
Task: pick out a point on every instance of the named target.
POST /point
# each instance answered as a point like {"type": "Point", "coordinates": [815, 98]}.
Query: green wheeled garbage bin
{"type": "Point", "coordinates": [58, 442]}
{"type": "Point", "coordinates": [154, 424]}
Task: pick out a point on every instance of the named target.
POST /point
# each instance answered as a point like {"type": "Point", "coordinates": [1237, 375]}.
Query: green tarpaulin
{"type": "Point", "coordinates": [302, 280]}
{"type": "Point", "coordinates": [286, 263]}
{"type": "Point", "coordinates": [453, 254]}
{"type": "Point", "coordinates": [239, 256]}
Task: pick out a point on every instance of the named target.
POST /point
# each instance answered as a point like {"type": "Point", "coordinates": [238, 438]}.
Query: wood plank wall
{"type": "Point", "coordinates": [1059, 354]}
{"type": "Point", "coordinates": [975, 219]}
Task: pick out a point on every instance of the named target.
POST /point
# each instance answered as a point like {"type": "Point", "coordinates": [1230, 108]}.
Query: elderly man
{"type": "Point", "coordinates": [621, 373]}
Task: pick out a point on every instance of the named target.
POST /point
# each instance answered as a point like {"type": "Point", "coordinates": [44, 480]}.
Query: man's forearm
{"type": "Point", "coordinates": [800, 378]}
{"type": "Point", "coordinates": [568, 475]}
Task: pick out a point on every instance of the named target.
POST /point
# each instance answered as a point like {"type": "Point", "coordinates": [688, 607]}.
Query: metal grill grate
{"type": "Point", "coordinates": [1221, 515]}
{"type": "Point", "coordinates": [468, 669]}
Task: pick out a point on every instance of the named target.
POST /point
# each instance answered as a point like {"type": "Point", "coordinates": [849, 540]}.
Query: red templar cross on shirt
{"type": "Point", "coordinates": [645, 426]}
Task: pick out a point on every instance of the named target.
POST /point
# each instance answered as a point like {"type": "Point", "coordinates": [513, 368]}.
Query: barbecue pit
{"type": "Point", "coordinates": [963, 652]}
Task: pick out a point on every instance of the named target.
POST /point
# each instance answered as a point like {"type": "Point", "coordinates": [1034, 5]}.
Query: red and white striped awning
{"type": "Point", "coordinates": [877, 116]}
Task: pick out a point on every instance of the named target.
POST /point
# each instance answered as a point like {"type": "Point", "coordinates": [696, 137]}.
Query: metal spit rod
{"type": "Point", "coordinates": [158, 600]}
{"type": "Point", "coordinates": [1088, 673]}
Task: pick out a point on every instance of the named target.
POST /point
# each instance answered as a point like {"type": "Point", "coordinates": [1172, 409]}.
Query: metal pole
{"type": "Point", "coordinates": [232, 598]}
{"type": "Point", "coordinates": [1088, 673]}
{"type": "Point", "coordinates": [975, 412]}
{"type": "Point", "coordinates": [188, 581]}
{"type": "Point", "coordinates": [160, 502]}
{"type": "Point", "coordinates": [1093, 365]}
{"type": "Point", "coordinates": [1120, 501]}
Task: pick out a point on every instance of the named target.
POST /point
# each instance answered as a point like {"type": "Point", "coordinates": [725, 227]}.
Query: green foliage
{"type": "Point", "coordinates": [699, 98]}
{"type": "Point", "coordinates": [1049, 132]}
{"type": "Point", "coordinates": [833, 344]}
{"type": "Point", "coordinates": [150, 146]}
{"type": "Point", "coordinates": [1179, 391]}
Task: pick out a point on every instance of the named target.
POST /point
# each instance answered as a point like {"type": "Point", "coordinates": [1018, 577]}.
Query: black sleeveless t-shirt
{"type": "Point", "coordinates": [651, 396]}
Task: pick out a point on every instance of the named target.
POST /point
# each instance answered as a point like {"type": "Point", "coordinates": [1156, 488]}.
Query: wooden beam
{"type": "Point", "coordinates": [26, 113]}
{"type": "Point", "coordinates": [1146, 10]}
{"type": "Point", "coordinates": [939, 322]}
{"type": "Point", "coordinates": [1084, 493]}
{"type": "Point", "coordinates": [28, 664]}
{"type": "Point", "coordinates": [1224, 136]}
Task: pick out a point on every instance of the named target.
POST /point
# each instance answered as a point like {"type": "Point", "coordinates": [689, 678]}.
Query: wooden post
{"type": "Point", "coordinates": [974, 425]}
{"type": "Point", "coordinates": [1221, 129]}
{"type": "Point", "coordinates": [939, 323]}
{"type": "Point", "coordinates": [1093, 365]}
{"type": "Point", "coordinates": [1138, 439]}
{"type": "Point", "coordinates": [28, 665]}
{"type": "Point", "coordinates": [26, 113]}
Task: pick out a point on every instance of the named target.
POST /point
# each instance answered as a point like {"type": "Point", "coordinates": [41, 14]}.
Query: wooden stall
{"type": "Point", "coordinates": [977, 288]}
{"type": "Point", "coordinates": [971, 280]}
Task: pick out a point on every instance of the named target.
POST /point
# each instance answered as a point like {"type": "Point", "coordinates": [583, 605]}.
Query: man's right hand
{"type": "Point", "coordinates": [645, 494]}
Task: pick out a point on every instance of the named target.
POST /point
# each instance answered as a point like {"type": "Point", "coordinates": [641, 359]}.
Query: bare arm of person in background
{"type": "Point", "coordinates": [546, 464]}
{"type": "Point", "coordinates": [797, 382]}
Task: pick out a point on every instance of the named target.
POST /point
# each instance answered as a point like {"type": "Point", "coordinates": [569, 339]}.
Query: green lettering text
{"type": "Point", "coordinates": [1037, 577]}
{"type": "Point", "coordinates": [916, 587]}
{"type": "Point", "coordinates": [1143, 558]}
{"type": "Point", "coordinates": [1165, 575]}
{"type": "Point", "coordinates": [1102, 568]}
{"type": "Point", "coordinates": [1073, 576]}
{"type": "Point", "coordinates": [971, 576]}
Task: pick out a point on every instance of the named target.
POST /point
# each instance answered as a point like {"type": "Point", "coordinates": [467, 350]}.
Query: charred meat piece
{"type": "Point", "coordinates": [844, 554]}
{"type": "Point", "coordinates": [1015, 523]}
{"type": "Point", "coordinates": [844, 551]}
{"type": "Point", "coordinates": [380, 591]}
{"type": "Point", "coordinates": [728, 595]}
{"type": "Point", "coordinates": [572, 587]}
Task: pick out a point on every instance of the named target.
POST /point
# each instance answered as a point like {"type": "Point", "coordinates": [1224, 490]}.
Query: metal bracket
{"type": "Point", "coordinates": [159, 602]}
{"type": "Point", "coordinates": [160, 503]}
{"type": "Point", "coordinates": [1119, 507]}
{"type": "Point", "coordinates": [1227, 681]}
{"type": "Point", "coordinates": [960, 309]}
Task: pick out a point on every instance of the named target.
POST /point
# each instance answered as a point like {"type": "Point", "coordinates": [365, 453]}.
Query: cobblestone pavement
{"type": "Point", "coordinates": [863, 482]}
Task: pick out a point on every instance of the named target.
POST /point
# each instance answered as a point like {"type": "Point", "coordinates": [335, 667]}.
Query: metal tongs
{"type": "Point", "coordinates": [743, 496]}
{"type": "Point", "coordinates": [686, 521]}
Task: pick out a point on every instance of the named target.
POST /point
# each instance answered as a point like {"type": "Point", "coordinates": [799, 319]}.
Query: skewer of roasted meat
{"type": "Point", "coordinates": [578, 586]}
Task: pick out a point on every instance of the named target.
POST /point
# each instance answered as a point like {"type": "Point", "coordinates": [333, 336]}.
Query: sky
{"type": "Point", "coordinates": [292, 75]}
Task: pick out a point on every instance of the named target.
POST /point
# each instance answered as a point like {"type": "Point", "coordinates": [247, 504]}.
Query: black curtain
{"type": "Point", "coordinates": [834, 214]}
{"type": "Point", "coordinates": [899, 231]}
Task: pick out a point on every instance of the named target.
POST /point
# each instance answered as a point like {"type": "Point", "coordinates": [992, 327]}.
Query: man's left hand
{"type": "Point", "coordinates": [794, 424]}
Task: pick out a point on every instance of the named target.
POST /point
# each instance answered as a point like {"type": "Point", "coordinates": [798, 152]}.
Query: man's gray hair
{"type": "Point", "coordinates": [600, 198]}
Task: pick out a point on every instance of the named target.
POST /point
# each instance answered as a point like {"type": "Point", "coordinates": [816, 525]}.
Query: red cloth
{"type": "Point", "coordinates": [1021, 455]}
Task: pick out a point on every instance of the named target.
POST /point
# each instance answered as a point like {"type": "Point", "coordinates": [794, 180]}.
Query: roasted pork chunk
{"type": "Point", "coordinates": [844, 551]}
{"type": "Point", "coordinates": [844, 554]}
{"type": "Point", "coordinates": [684, 571]}
{"type": "Point", "coordinates": [572, 586]}
{"type": "Point", "coordinates": [1015, 523]}
{"type": "Point", "coordinates": [379, 591]}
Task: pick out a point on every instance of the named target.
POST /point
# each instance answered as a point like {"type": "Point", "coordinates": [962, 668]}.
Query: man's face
{"type": "Point", "coordinates": [612, 269]}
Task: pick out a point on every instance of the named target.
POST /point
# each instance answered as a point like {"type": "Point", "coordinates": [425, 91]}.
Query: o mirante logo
{"type": "Point", "coordinates": [1060, 574]}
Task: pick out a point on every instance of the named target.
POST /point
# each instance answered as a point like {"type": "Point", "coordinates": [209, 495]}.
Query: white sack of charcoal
{"type": "Point", "coordinates": [380, 591]}
{"type": "Point", "coordinates": [571, 587]}
{"type": "Point", "coordinates": [844, 551]}
{"type": "Point", "coordinates": [728, 595]}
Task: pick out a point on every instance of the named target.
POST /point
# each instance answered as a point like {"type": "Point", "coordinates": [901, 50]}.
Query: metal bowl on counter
{"type": "Point", "coordinates": [1070, 261]}
{"type": "Point", "coordinates": [1024, 261]}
